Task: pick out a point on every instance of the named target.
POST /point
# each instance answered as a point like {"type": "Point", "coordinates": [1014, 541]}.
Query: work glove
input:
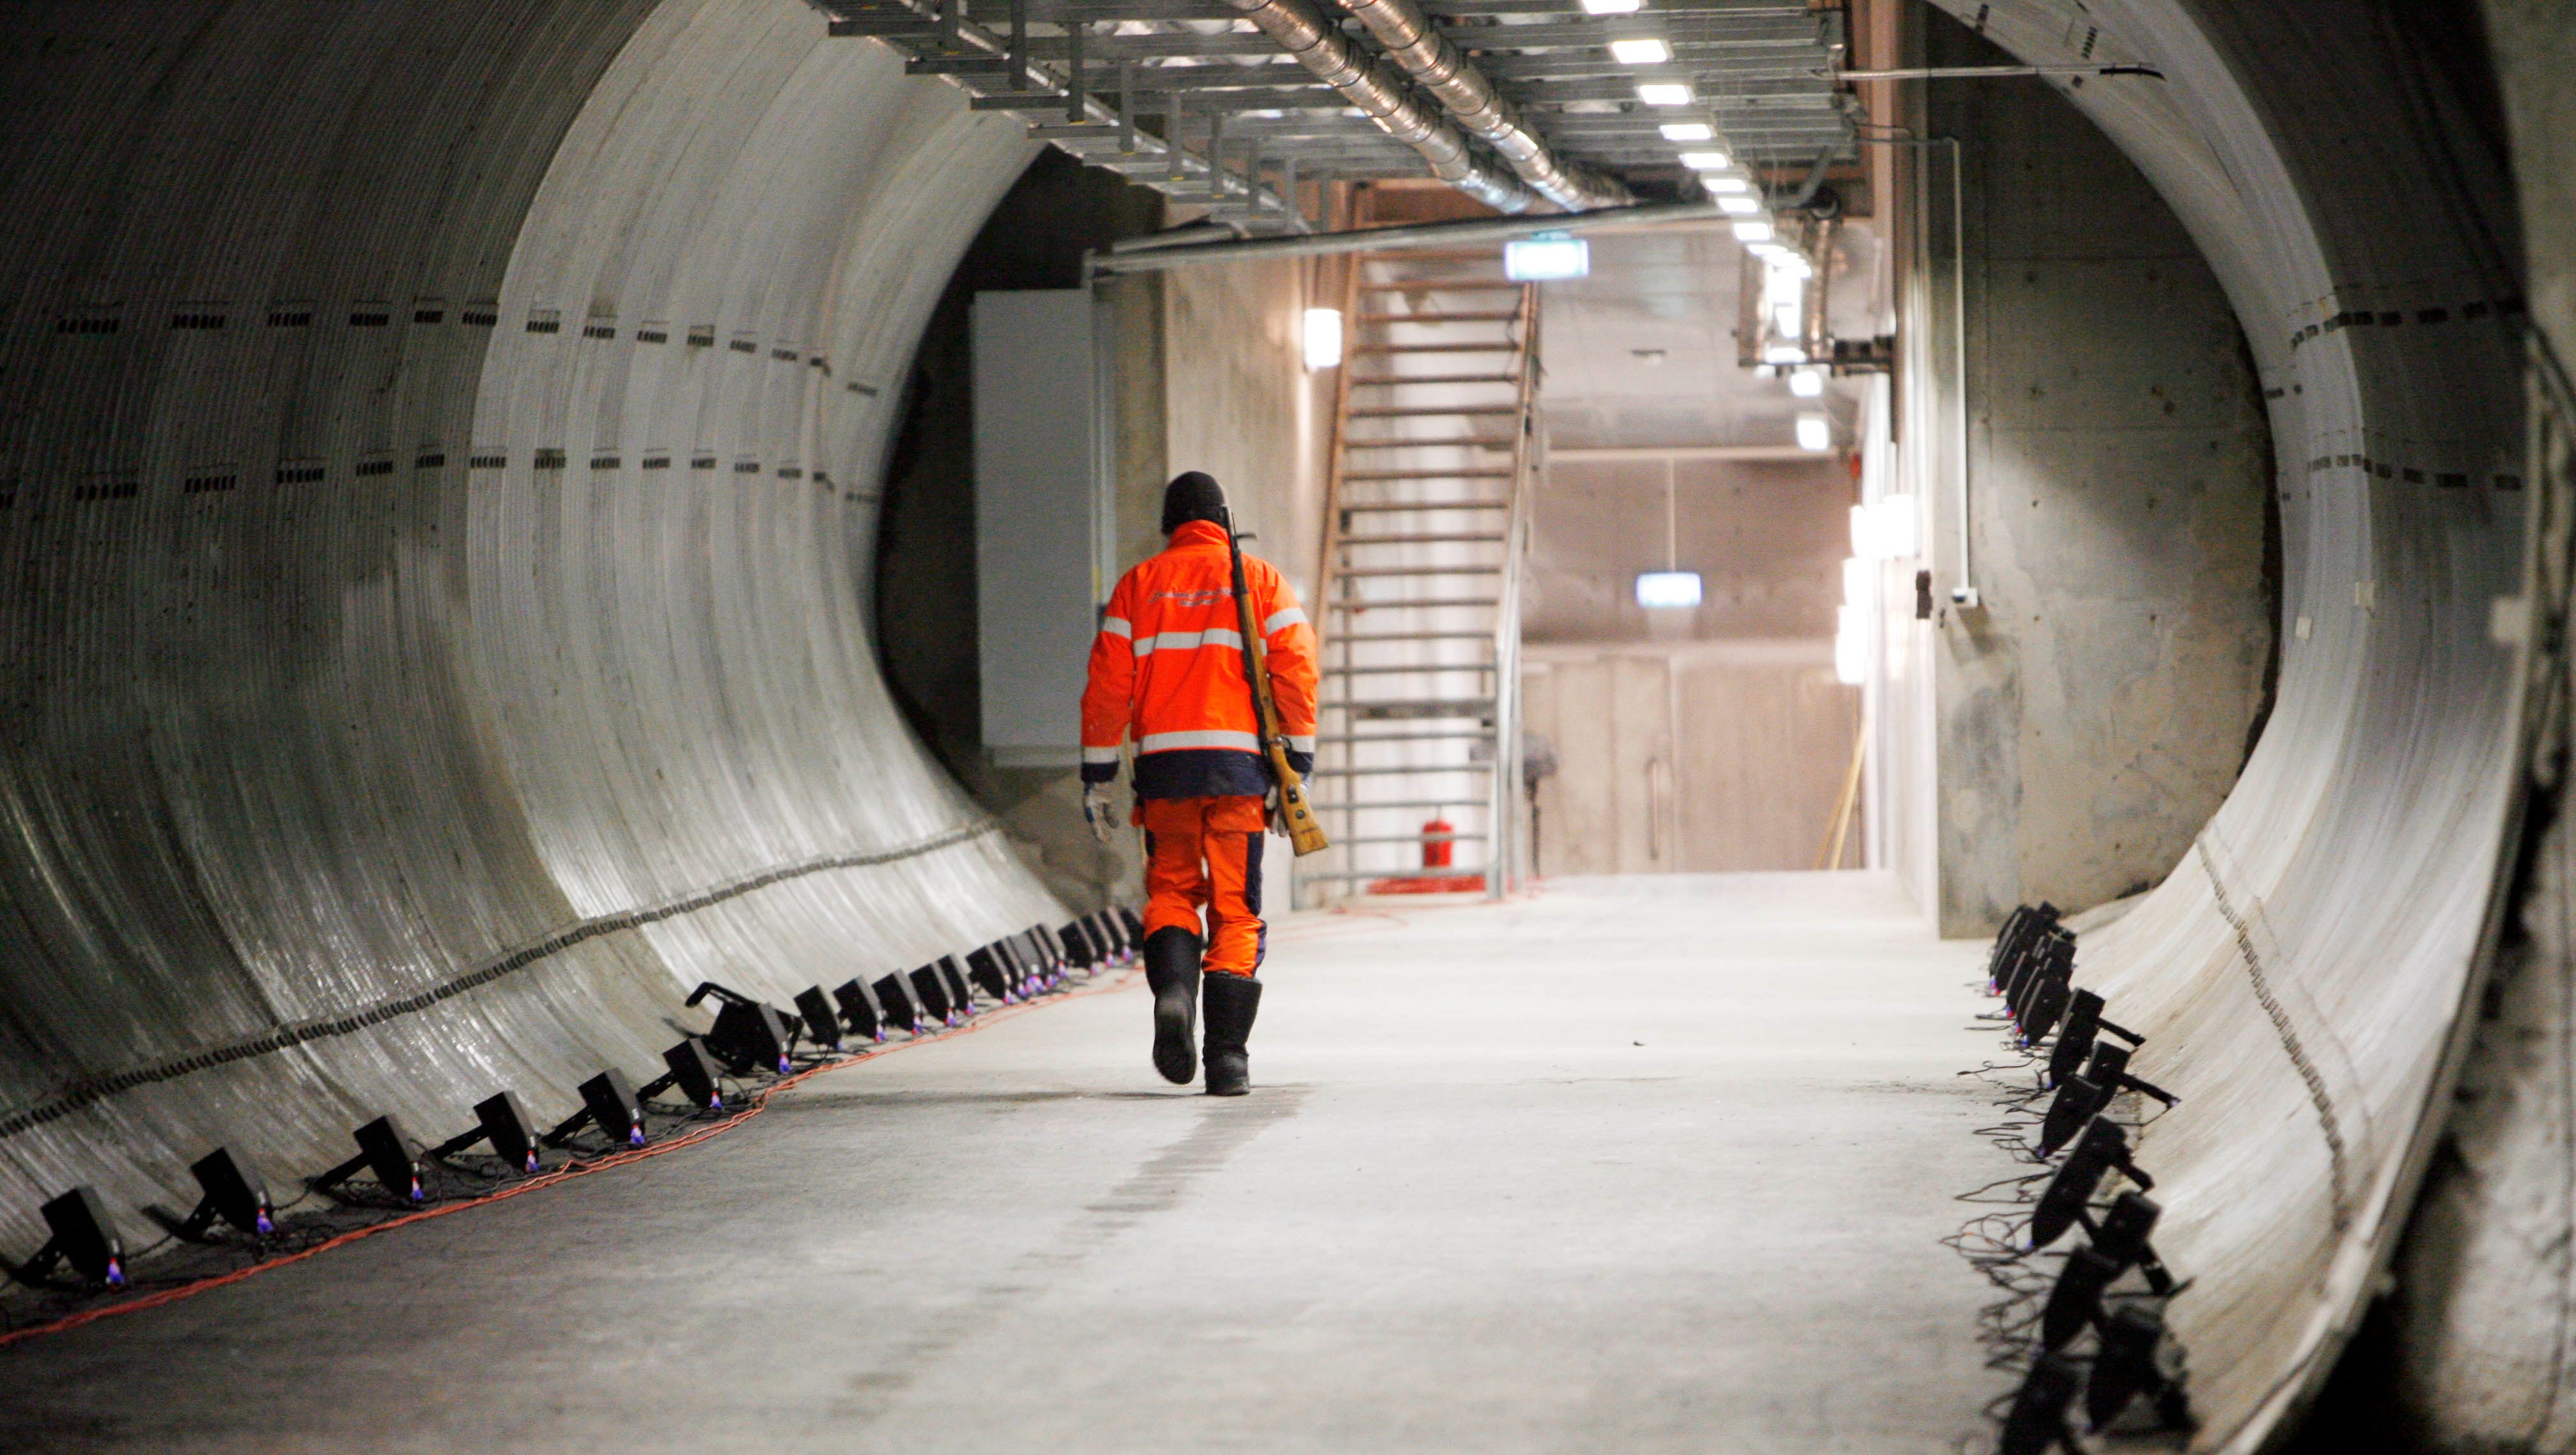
{"type": "Point", "coordinates": [1096, 812]}
{"type": "Point", "coordinates": [1274, 814]}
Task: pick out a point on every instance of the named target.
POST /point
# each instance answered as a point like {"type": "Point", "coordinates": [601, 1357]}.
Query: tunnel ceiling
{"type": "Point", "coordinates": [1193, 98]}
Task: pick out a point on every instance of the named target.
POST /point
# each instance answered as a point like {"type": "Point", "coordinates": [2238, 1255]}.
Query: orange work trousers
{"type": "Point", "coordinates": [1205, 854]}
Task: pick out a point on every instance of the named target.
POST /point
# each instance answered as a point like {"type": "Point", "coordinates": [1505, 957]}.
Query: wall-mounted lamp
{"type": "Point", "coordinates": [1545, 259]}
{"type": "Point", "coordinates": [1323, 338]}
{"type": "Point", "coordinates": [1660, 590]}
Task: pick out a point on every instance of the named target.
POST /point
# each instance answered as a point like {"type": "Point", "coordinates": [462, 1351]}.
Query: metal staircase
{"type": "Point", "coordinates": [1426, 520]}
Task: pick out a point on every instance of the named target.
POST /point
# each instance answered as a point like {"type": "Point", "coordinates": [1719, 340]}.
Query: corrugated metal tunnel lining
{"type": "Point", "coordinates": [441, 457]}
{"type": "Point", "coordinates": [439, 464]}
{"type": "Point", "coordinates": [2305, 976]}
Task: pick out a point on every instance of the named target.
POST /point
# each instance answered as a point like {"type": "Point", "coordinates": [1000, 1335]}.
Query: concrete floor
{"type": "Point", "coordinates": [1638, 1165]}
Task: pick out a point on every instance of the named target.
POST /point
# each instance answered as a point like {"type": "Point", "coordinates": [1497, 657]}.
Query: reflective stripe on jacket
{"type": "Point", "coordinates": [1167, 668]}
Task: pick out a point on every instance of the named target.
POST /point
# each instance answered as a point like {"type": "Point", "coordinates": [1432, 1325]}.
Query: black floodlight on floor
{"type": "Point", "coordinates": [747, 1033]}
{"type": "Point", "coordinates": [608, 1102]}
{"type": "Point", "coordinates": [2076, 1298]}
{"type": "Point", "coordinates": [2051, 970]}
{"type": "Point", "coordinates": [1079, 947]}
{"type": "Point", "coordinates": [1133, 924]}
{"type": "Point", "coordinates": [232, 1191]}
{"type": "Point", "coordinates": [1111, 932]}
{"type": "Point", "coordinates": [503, 1122]}
{"type": "Point", "coordinates": [984, 967]}
{"type": "Point", "coordinates": [2084, 1026]}
{"type": "Point", "coordinates": [2067, 1199]}
{"type": "Point", "coordinates": [961, 994]}
{"type": "Point", "coordinates": [691, 1071]}
{"type": "Point", "coordinates": [2024, 922]}
{"type": "Point", "coordinates": [2131, 1362]}
{"type": "Point", "coordinates": [1028, 974]}
{"type": "Point", "coordinates": [2039, 1412]}
{"type": "Point", "coordinates": [384, 1150]}
{"type": "Point", "coordinates": [2119, 1244]}
{"type": "Point", "coordinates": [931, 994]}
{"type": "Point", "coordinates": [860, 1011]}
{"type": "Point", "coordinates": [2082, 1098]}
{"type": "Point", "coordinates": [822, 1018]}
{"type": "Point", "coordinates": [894, 995]}
{"type": "Point", "coordinates": [1051, 947]}
{"type": "Point", "coordinates": [1096, 927]}
{"type": "Point", "coordinates": [2017, 964]}
{"type": "Point", "coordinates": [83, 1236]}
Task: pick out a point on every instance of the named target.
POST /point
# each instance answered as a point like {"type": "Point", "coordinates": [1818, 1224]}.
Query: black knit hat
{"type": "Point", "coordinates": [1192, 495]}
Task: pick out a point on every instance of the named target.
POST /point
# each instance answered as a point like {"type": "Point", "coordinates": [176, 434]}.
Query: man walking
{"type": "Point", "coordinates": [1169, 667]}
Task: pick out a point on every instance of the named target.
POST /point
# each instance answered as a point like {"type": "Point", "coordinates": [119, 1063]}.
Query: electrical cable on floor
{"type": "Point", "coordinates": [570, 1171]}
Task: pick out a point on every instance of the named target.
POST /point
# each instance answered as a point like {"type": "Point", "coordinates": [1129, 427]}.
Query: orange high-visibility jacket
{"type": "Point", "coordinates": [1168, 667]}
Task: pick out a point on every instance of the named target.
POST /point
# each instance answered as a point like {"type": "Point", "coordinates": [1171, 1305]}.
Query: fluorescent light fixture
{"type": "Point", "coordinates": [1657, 590]}
{"type": "Point", "coordinates": [1610, 7]}
{"type": "Point", "coordinates": [1688, 131]}
{"type": "Point", "coordinates": [1725, 184]}
{"type": "Point", "coordinates": [1665, 93]}
{"type": "Point", "coordinates": [1815, 433]}
{"type": "Point", "coordinates": [1752, 232]}
{"type": "Point", "coordinates": [1641, 51]}
{"type": "Point", "coordinates": [1734, 206]}
{"type": "Point", "coordinates": [1851, 646]}
{"type": "Point", "coordinates": [1323, 338]}
{"type": "Point", "coordinates": [1545, 259]}
{"type": "Point", "coordinates": [1707, 162]}
{"type": "Point", "coordinates": [1807, 383]}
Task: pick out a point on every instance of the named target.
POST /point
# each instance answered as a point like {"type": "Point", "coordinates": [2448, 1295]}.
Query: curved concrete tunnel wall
{"type": "Point", "coordinates": [403, 701]}
{"type": "Point", "coordinates": [366, 782]}
{"type": "Point", "coordinates": [2304, 976]}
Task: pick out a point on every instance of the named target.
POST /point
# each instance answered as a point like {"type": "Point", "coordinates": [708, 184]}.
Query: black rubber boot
{"type": "Point", "coordinates": [1232, 1002]}
{"type": "Point", "coordinates": [1172, 968]}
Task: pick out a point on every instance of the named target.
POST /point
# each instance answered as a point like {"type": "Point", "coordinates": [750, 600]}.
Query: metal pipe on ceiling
{"type": "Point", "coordinates": [1417, 45]}
{"type": "Point", "coordinates": [1158, 251]}
{"type": "Point", "coordinates": [1319, 45]}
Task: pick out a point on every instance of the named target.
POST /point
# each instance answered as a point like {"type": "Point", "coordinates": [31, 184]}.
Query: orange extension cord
{"type": "Point", "coordinates": [759, 1103]}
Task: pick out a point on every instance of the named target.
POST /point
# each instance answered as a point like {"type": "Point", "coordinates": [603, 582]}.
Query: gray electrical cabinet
{"type": "Point", "coordinates": [1036, 532]}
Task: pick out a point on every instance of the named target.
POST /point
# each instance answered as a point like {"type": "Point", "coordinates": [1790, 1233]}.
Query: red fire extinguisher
{"type": "Point", "coordinates": [1436, 845]}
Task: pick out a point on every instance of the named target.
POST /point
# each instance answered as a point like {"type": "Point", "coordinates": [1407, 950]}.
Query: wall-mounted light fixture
{"type": "Point", "coordinates": [1546, 258]}
{"type": "Point", "coordinates": [1662, 590]}
{"type": "Point", "coordinates": [1815, 433]}
{"type": "Point", "coordinates": [1323, 338]}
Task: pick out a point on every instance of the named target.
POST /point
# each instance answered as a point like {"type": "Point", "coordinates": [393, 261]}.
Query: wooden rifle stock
{"type": "Point", "coordinates": [1305, 834]}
